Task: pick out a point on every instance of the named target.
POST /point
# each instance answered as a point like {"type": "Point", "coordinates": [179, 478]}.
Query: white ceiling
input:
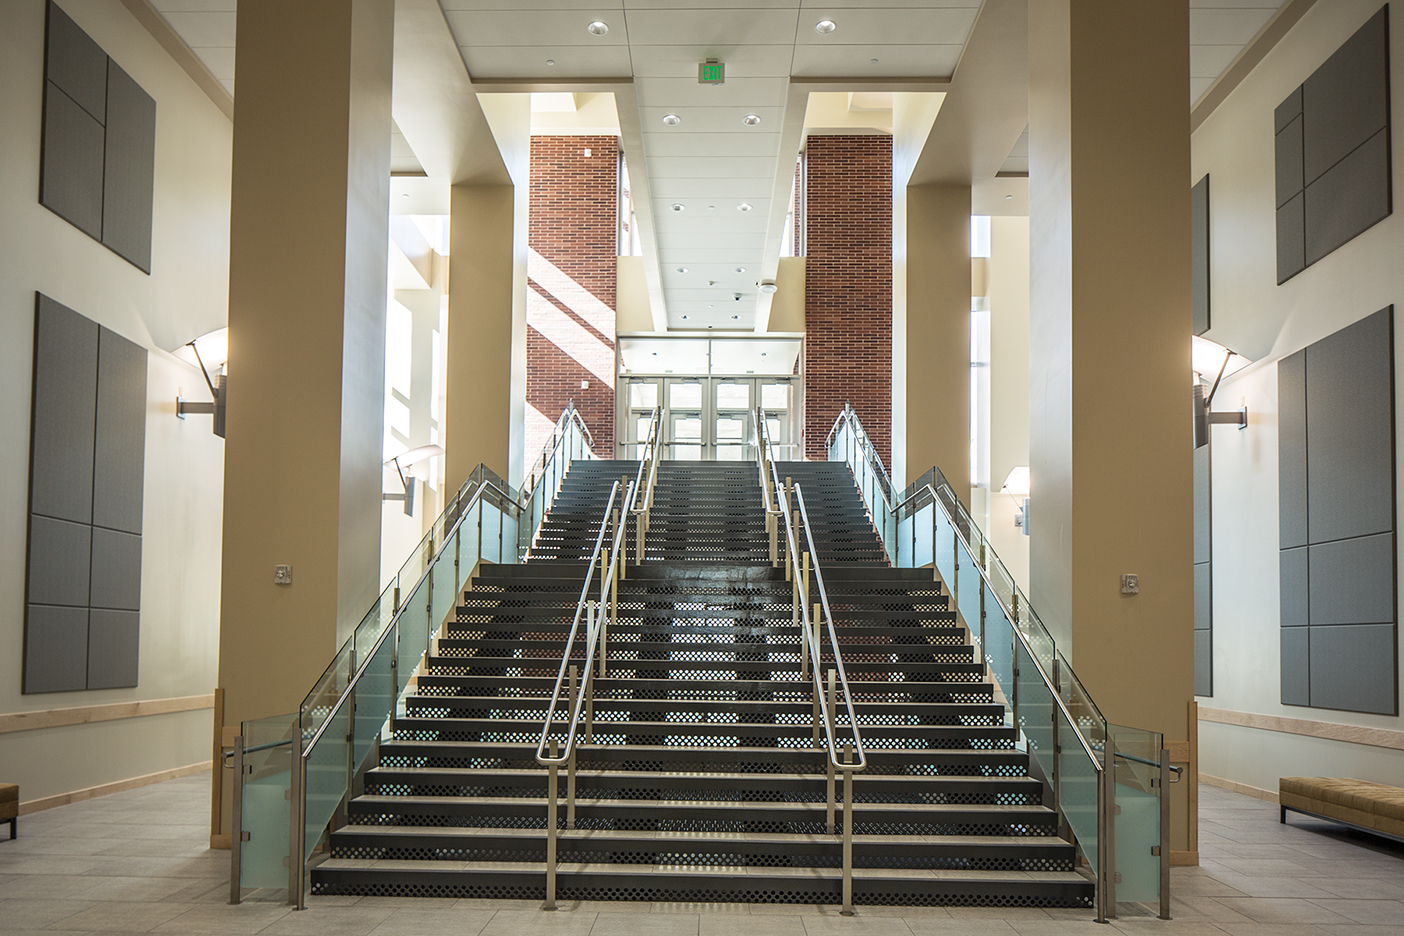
{"type": "Point", "coordinates": [711, 163]}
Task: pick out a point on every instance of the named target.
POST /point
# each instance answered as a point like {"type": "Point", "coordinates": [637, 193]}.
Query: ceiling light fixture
{"type": "Point", "coordinates": [672, 120]}
{"type": "Point", "coordinates": [1008, 197]}
{"type": "Point", "coordinates": [824, 27]}
{"type": "Point", "coordinates": [751, 120]}
{"type": "Point", "coordinates": [684, 318]}
{"type": "Point", "coordinates": [682, 269]}
{"type": "Point", "coordinates": [872, 61]}
{"type": "Point", "coordinates": [597, 28]}
{"type": "Point", "coordinates": [677, 206]}
{"type": "Point", "coordinates": [735, 317]}
{"type": "Point", "coordinates": [768, 288]}
{"type": "Point", "coordinates": [743, 207]}
{"type": "Point", "coordinates": [740, 270]}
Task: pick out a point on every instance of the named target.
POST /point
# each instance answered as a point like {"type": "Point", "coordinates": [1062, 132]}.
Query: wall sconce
{"type": "Point", "coordinates": [215, 348]}
{"type": "Point", "coordinates": [407, 460]}
{"type": "Point", "coordinates": [1017, 486]}
{"type": "Point", "coordinates": [1205, 357]}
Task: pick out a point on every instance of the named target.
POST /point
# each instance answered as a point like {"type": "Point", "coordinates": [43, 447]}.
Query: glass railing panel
{"type": "Point", "coordinates": [1137, 818]}
{"type": "Point", "coordinates": [969, 589]}
{"type": "Point", "coordinates": [444, 587]}
{"type": "Point", "coordinates": [327, 690]}
{"type": "Point", "coordinates": [923, 536]}
{"type": "Point", "coordinates": [375, 698]}
{"type": "Point", "coordinates": [328, 776]}
{"type": "Point", "coordinates": [1035, 713]}
{"type": "Point", "coordinates": [467, 548]}
{"type": "Point", "coordinates": [944, 543]}
{"type": "Point", "coordinates": [509, 536]}
{"type": "Point", "coordinates": [414, 633]}
{"type": "Point", "coordinates": [491, 538]}
{"type": "Point", "coordinates": [1077, 790]}
{"type": "Point", "coordinates": [266, 811]}
{"type": "Point", "coordinates": [889, 530]}
{"type": "Point", "coordinates": [414, 566]}
{"type": "Point", "coordinates": [999, 645]}
{"type": "Point", "coordinates": [1080, 705]}
{"type": "Point", "coordinates": [371, 626]}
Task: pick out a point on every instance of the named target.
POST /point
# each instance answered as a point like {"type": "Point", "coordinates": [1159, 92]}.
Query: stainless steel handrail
{"type": "Point", "coordinates": [772, 513]}
{"type": "Point", "coordinates": [548, 451]}
{"type": "Point", "coordinates": [596, 631]}
{"type": "Point", "coordinates": [1101, 763]}
{"type": "Point", "coordinates": [644, 482]}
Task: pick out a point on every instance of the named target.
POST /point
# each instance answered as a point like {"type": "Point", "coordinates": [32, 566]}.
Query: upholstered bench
{"type": "Point", "coordinates": [1370, 807]}
{"type": "Point", "coordinates": [9, 806]}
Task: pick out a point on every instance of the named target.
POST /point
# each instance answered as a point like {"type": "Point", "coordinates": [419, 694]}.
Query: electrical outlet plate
{"type": "Point", "coordinates": [1130, 584]}
{"type": "Point", "coordinates": [282, 575]}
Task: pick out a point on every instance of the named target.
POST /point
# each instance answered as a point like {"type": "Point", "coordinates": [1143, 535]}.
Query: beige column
{"type": "Point", "coordinates": [1109, 331]}
{"type": "Point", "coordinates": [485, 383]}
{"type": "Point", "coordinates": [935, 421]}
{"type": "Point", "coordinates": [307, 287]}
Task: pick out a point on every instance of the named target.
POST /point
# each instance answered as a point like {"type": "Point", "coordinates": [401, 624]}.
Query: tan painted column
{"type": "Point", "coordinates": [1109, 331]}
{"type": "Point", "coordinates": [936, 420]}
{"type": "Point", "coordinates": [485, 386]}
{"type": "Point", "coordinates": [307, 287]}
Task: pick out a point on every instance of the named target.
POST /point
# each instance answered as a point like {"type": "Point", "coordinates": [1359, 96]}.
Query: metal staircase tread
{"type": "Point", "coordinates": [642, 776]}
{"type": "Point", "coordinates": [583, 803]}
{"type": "Point", "coordinates": [451, 833]}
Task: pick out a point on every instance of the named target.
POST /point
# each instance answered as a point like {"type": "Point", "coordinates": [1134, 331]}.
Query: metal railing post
{"type": "Point", "coordinates": [551, 831]}
{"type": "Point", "coordinates": [236, 820]}
{"type": "Point", "coordinates": [847, 831]}
{"type": "Point", "coordinates": [570, 765]}
{"type": "Point", "coordinates": [1164, 834]}
{"type": "Point", "coordinates": [297, 862]}
{"type": "Point", "coordinates": [828, 758]}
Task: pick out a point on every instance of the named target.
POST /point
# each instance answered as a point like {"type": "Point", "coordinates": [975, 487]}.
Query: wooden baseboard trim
{"type": "Point", "coordinates": [77, 796]}
{"type": "Point", "coordinates": [1332, 731]}
{"type": "Point", "coordinates": [87, 714]}
{"type": "Point", "coordinates": [1184, 859]}
{"type": "Point", "coordinates": [1234, 786]}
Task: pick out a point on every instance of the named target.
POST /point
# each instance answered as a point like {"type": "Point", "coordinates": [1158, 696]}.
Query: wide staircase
{"type": "Point", "coordinates": [700, 778]}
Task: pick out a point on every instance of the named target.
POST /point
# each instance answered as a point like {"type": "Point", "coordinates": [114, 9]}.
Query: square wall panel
{"type": "Point", "coordinates": [55, 649]}
{"type": "Point", "coordinates": [1352, 580]}
{"type": "Point", "coordinates": [1296, 669]}
{"type": "Point", "coordinates": [1353, 668]}
{"type": "Point", "coordinates": [70, 179]}
{"type": "Point", "coordinates": [1349, 198]}
{"type": "Point", "coordinates": [1293, 585]}
{"type": "Point", "coordinates": [114, 647]}
{"type": "Point", "coordinates": [1292, 450]}
{"type": "Point", "coordinates": [76, 64]}
{"type": "Point", "coordinates": [1346, 100]}
{"type": "Point", "coordinates": [1291, 239]}
{"type": "Point", "coordinates": [129, 169]}
{"type": "Point", "coordinates": [59, 554]}
{"type": "Point", "coordinates": [119, 460]}
{"type": "Point", "coordinates": [64, 412]}
{"type": "Point", "coordinates": [116, 571]}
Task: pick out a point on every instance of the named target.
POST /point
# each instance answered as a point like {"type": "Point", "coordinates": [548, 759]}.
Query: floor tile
{"type": "Point", "coordinates": [329, 921]}
{"type": "Point", "coordinates": [645, 924]}
{"type": "Point", "coordinates": [727, 924]}
{"type": "Point", "coordinates": [538, 922]}
{"type": "Point", "coordinates": [857, 925]}
{"type": "Point", "coordinates": [128, 916]}
{"type": "Point", "coordinates": [440, 921]}
{"type": "Point", "coordinates": [1281, 910]}
{"type": "Point", "coordinates": [1377, 912]}
{"type": "Point", "coordinates": [224, 919]}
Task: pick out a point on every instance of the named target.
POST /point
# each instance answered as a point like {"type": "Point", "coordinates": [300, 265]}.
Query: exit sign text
{"type": "Point", "coordinates": [711, 73]}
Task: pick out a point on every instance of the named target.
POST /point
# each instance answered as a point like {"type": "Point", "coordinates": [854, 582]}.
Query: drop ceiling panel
{"type": "Point", "coordinates": [219, 60]}
{"type": "Point", "coordinates": [815, 7]}
{"type": "Point", "coordinates": [599, 6]}
{"type": "Point", "coordinates": [890, 27]}
{"type": "Point", "coordinates": [710, 119]}
{"type": "Point", "coordinates": [722, 229]}
{"type": "Point", "coordinates": [693, 144]}
{"type": "Point", "coordinates": [740, 241]}
{"type": "Point", "coordinates": [672, 257]}
{"type": "Point", "coordinates": [203, 29]}
{"type": "Point", "coordinates": [673, 93]}
{"type": "Point", "coordinates": [195, 6]}
{"type": "Point", "coordinates": [742, 61]}
{"type": "Point", "coordinates": [1226, 26]}
{"type": "Point", "coordinates": [726, 209]}
{"type": "Point", "coordinates": [527, 27]}
{"type": "Point", "coordinates": [1208, 61]}
{"type": "Point", "coordinates": [704, 26]}
{"type": "Point", "coordinates": [530, 61]}
{"type": "Point", "coordinates": [711, 191]}
{"type": "Point", "coordinates": [716, 295]}
{"type": "Point", "coordinates": [684, 167]}
{"type": "Point", "coordinates": [893, 61]}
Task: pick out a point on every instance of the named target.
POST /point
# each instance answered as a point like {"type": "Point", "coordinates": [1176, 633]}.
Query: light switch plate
{"type": "Point", "coordinates": [1131, 584]}
{"type": "Point", "coordinates": [282, 575]}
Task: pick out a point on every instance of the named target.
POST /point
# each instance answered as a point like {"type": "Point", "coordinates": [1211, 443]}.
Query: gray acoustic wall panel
{"type": "Point", "coordinates": [120, 437]}
{"type": "Point", "coordinates": [75, 63]}
{"type": "Point", "coordinates": [55, 649]}
{"type": "Point", "coordinates": [113, 649]}
{"type": "Point", "coordinates": [1289, 162]}
{"type": "Point", "coordinates": [1203, 664]}
{"type": "Point", "coordinates": [1199, 254]}
{"type": "Point", "coordinates": [1294, 584]}
{"type": "Point", "coordinates": [1203, 597]}
{"type": "Point", "coordinates": [1350, 427]}
{"type": "Point", "coordinates": [1348, 198]}
{"type": "Point", "coordinates": [1296, 671]}
{"type": "Point", "coordinates": [70, 172]}
{"type": "Point", "coordinates": [130, 168]}
{"type": "Point", "coordinates": [116, 571]}
{"type": "Point", "coordinates": [1203, 539]}
{"type": "Point", "coordinates": [63, 410]}
{"type": "Point", "coordinates": [59, 554]}
{"type": "Point", "coordinates": [87, 466]}
{"type": "Point", "coordinates": [1291, 239]}
{"type": "Point", "coordinates": [1292, 451]}
{"type": "Point", "coordinates": [1352, 580]}
{"type": "Point", "coordinates": [1333, 151]}
{"type": "Point", "coordinates": [1346, 100]}
{"type": "Point", "coordinates": [1353, 668]}
{"type": "Point", "coordinates": [98, 146]}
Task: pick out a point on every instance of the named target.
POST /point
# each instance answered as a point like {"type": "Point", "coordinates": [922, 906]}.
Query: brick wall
{"type": "Point", "coordinates": [571, 273]}
{"type": "Point", "coordinates": [848, 287]}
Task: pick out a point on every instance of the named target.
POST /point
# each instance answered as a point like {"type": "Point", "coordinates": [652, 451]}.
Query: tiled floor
{"type": "Point", "coordinates": [137, 862]}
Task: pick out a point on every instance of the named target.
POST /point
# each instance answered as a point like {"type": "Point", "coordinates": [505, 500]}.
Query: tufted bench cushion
{"type": "Point", "coordinates": [1374, 807]}
{"type": "Point", "coordinates": [9, 805]}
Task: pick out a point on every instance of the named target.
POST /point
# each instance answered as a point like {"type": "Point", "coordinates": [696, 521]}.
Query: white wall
{"type": "Point", "coordinates": [1267, 322]}
{"type": "Point", "coordinates": [1008, 431]}
{"type": "Point", "coordinates": [185, 296]}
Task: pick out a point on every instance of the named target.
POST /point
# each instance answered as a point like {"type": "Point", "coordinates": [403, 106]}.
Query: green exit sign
{"type": "Point", "coordinates": [711, 73]}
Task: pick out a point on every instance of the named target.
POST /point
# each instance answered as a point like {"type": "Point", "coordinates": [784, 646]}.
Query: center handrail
{"type": "Point", "coordinates": [644, 481]}
{"type": "Point", "coordinates": [592, 635]}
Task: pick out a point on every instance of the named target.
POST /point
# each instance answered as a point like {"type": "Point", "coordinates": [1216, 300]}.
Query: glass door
{"type": "Point", "coordinates": [685, 419]}
{"type": "Point", "coordinates": [731, 421]}
{"type": "Point", "coordinates": [643, 395]}
{"type": "Point", "coordinates": [708, 418]}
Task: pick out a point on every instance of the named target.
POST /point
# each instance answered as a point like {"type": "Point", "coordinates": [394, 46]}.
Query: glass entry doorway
{"type": "Point", "coordinates": [707, 418]}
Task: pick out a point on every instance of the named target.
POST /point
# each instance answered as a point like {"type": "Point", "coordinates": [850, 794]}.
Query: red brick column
{"type": "Point", "coordinates": [571, 285]}
{"type": "Point", "coordinates": [848, 287]}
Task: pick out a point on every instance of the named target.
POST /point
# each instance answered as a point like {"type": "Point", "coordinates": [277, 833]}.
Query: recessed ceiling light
{"type": "Point", "coordinates": [751, 120]}
{"type": "Point", "coordinates": [599, 28]}
{"type": "Point", "coordinates": [768, 288]}
{"type": "Point", "coordinates": [709, 326]}
{"type": "Point", "coordinates": [677, 206]}
{"type": "Point", "coordinates": [682, 269]}
{"type": "Point", "coordinates": [872, 61]}
{"type": "Point", "coordinates": [550, 61]}
{"type": "Point", "coordinates": [763, 354]}
{"type": "Point", "coordinates": [743, 207]}
{"type": "Point", "coordinates": [824, 27]}
{"type": "Point", "coordinates": [736, 316]}
{"type": "Point", "coordinates": [672, 120]}
{"type": "Point", "coordinates": [684, 318]}
{"type": "Point", "coordinates": [711, 207]}
{"type": "Point", "coordinates": [740, 270]}
{"type": "Point", "coordinates": [711, 307]}
{"type": "Point", "coordinates": [655, 354]}
{"type": "Point", "coordinates": [1008, 197]}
